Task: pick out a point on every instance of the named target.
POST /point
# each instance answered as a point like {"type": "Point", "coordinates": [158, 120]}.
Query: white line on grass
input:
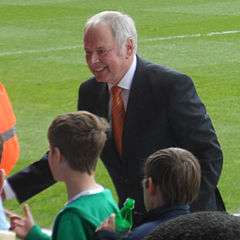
{"type": "Point", "coordinates": [54, 49]}
{"type": "Point", "coordinates": [51, 49]}
{"type": "Point", "coordinates": [191, 35]}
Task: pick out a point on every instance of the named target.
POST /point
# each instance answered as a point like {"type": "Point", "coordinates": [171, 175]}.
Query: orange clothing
{"type": "Point", "coordinates": [11, 148]}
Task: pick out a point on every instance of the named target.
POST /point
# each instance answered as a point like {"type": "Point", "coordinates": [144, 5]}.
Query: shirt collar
{"type": "Point", "coordinates": [166, 210]}
{"type": "Point", "coordinates": [90, 191]}
{"type": "Point", "coordinates": [126, 81]}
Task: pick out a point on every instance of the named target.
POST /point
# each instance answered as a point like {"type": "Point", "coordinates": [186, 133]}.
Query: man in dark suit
{"type": "Point", "coordinates": [161, 109]}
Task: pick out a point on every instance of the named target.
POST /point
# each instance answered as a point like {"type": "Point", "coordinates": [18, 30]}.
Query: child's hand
{"type": "Point", "coordinates": [21, 225]}
{"type": "Point", "coordinates": [108, 224]}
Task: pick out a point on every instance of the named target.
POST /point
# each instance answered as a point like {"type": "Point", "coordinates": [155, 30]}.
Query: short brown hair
{"type": "Point", "coordinates": [1, 147]}
{"type": "Point", "coordinates": [177, 173]}
{"type": "Point", "coordinates": [80, 137]}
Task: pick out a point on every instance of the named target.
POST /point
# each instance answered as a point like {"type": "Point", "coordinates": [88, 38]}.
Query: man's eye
{"type": "Point", "coordinates": [101, 51]}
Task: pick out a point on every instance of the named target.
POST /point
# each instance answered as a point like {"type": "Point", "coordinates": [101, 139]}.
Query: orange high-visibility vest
{"type": "Point", "coordinates": [11, 148]}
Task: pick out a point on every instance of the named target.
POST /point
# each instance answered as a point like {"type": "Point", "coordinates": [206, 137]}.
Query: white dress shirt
{"type": "Point", "coordinates": [125, 83]}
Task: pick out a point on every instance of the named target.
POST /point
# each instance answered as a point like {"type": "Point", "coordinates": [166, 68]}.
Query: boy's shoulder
{"type": "Point", "coordinates": [86, 213]}
{"type": "Point", "coordinates": [86, 201]}
{"type": "Point", "coordinates": [93, 207]}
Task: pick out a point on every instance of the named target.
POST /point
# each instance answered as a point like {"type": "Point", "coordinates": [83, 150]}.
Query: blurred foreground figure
{"type": "Point", "coordinates": [199, 226]}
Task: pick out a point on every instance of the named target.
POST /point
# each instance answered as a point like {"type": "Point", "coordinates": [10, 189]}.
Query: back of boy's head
{"type": "Point", "coordinates": [80, 137]}
{"type": "Point", "coordinates": [1, 147]}
{"type": "Point", "coordinates": [176, 172]}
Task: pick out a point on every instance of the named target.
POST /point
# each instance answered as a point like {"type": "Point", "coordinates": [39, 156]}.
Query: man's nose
{"type": "Point", "coordinates": [94, 57]}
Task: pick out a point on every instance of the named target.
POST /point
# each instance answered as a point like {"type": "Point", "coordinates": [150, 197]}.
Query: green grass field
{"type": "Point", "coordinates": [42, 64]}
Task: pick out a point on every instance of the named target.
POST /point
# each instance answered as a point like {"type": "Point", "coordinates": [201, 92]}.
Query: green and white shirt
{"type": "Point", "coordinates": [79, 218]}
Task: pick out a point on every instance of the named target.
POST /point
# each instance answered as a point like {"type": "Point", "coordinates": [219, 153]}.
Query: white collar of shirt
{"type": "Point", "coordinates": [126, 81]}
{"type": "Point", "coordinates": [89, 191]}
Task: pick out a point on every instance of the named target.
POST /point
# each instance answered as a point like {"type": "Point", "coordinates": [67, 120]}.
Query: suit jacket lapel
{"type": "Point", "coordinates": [135, 105]}
{"type": "Point", "coordinates": [102, 102]}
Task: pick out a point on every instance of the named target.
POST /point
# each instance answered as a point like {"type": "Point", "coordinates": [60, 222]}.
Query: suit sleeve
{"type": "Point", "coordinates": [193, 130]}
{"type": "Point", "coordinates": [38, 173]}
{"type": "Point", "coordinates": [31, 180]}
{"type": "Point", "coordinates": [85, 95]}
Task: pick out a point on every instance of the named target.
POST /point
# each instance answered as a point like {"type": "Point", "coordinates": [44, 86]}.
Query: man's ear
{"type": "Point", "coordinates": [130, 47]}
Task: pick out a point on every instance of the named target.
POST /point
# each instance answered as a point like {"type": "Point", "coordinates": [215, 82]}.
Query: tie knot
{"type": "Point", "coordinates": [116, 90]}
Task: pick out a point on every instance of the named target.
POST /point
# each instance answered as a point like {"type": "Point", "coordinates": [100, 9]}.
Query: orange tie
{"type": "Point", "coordinates": [118, 115]}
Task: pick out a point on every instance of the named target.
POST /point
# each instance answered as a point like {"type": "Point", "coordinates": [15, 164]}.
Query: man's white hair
{"type": "Point", "coordinates": [122, 26]}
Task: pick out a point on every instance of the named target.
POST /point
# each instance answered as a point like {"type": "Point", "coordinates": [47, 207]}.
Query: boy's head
{"type": "Point", "coordinates": [1, 147]}
{"type": "Point", "coordinates": [78, 139]}
{"type": "Point", "coordinates": [171, 176]}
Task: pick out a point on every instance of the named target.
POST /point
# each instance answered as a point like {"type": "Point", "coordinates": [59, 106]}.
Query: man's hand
{"type": "Point", "coordinates": [21, 225]}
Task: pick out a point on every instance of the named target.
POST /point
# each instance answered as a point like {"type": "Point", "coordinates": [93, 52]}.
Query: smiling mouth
{"type": "Point", "coordinates": [98, 70]}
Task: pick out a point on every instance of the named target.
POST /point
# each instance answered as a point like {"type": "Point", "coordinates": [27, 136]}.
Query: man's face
{"type": "Point", "coordinates": [105, 59]}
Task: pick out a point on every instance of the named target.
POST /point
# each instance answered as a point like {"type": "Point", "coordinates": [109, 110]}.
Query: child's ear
{"type": "Point", "coordinates": [55, 153]}
{"type": "Point", "coordinates": [151, 187]}
{"type": "Point", "coordinates": [59, 155]}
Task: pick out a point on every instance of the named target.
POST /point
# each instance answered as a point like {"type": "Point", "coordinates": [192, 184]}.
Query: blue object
{"type": "Point", "coordinates": [4, 224]}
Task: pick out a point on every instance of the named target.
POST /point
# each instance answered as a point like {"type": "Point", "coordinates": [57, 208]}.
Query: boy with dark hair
{"type": "Point", "coordinates": [175, 174]}
{"type": "Point", "coordinates": [76, 141]}
{"type": "Point", "coordinates": [171, 182]}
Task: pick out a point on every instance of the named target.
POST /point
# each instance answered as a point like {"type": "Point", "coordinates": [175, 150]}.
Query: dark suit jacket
{"type": "Point", "coordinates": [163, 111]}
{"type": "Point", "coordinates": [152, 219]}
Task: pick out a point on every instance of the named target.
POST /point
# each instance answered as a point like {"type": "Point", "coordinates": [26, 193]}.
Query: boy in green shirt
{"type": "Point", "coordinates": [76, 141]}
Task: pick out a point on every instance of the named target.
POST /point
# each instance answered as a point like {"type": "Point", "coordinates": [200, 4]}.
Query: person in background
{"type": "Point", "coordinates": [75, 142]}
{"type": "Point", "coordinates": [9, 149]}
{"type": "Point", "coordinates": [171, 182]}
{"type": "Point", "coordinates": [4, 225]}
{"type": "Point", "coordinates": [148, 106]}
